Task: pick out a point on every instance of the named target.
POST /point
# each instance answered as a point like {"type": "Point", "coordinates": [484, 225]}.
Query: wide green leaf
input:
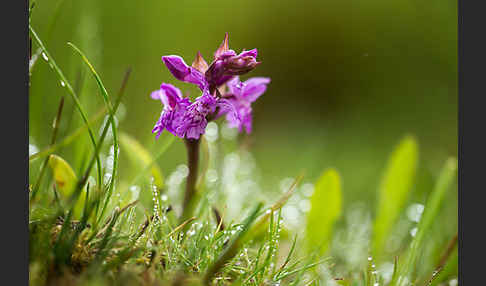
{"type": "Point", "coordinates": [394, 190]}
{"type": "Point", "coordinates": [325, 209]}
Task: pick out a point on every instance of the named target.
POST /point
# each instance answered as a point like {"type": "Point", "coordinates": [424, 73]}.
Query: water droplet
{"type": "Point", "coordinates": [191, 232]}
{"type": "Point", "coordinates": [413, 232]}
{"type": "Point", "coordinates": [370, 258]}
{"type": "Point", "coordinates": [33, 149]}
{"type": "Point", "coordinates": [63, 84]}
{"type": "Point", "coordinates": [414, 212]}
{"type": "Point", "coordinates": [107, 178]}
{"type": "Point", "coordinates": [45, 56]}
{"type": "Point", "coordinates": [212, 176]}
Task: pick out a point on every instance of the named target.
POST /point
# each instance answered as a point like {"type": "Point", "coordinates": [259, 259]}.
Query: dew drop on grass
{"type": "Point", "coordinates": [414, 212]}
{"type": "Point", "coordinates": [44, 56]}
{"type": "Point", "coordinates": [107, 178]}
{"type": "Point", "coordinates": [370, 258]}
{"type": "Point", "coordinates": [413, 232]}
{"type": "Point", "coordinates": [212, 176]}
{"type": "Point", "coordinates": [33, 149]}
{"type": "Point", "coordinates": [191, 233]}
{"type": "Point", "coordinates": [63, 84]}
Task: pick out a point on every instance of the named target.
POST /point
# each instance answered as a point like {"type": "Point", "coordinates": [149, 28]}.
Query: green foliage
{"type": "Point", "coordinates": [141, 157]}
{"type": "Point", "coordinates": [394, 190]}
{"type": "Point", "coordinates": [66, 182]}
{"type": "Point", "coordinates": [430, 215]}
{"type": "Point", "coordinates": [325, 210]}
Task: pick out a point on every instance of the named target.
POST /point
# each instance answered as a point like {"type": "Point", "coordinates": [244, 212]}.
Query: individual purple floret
{"type": "Point", "coordinates": [241, 95]}
{"type": "Point", "coordinates": [174, 109]}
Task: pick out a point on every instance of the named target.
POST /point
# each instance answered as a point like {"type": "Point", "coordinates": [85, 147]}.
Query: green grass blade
{"type": "Point", "coordinates": [325, 210]}
{"type": "Point", "coordinates": [167, 143]}
{"type": "Point", "coordinates": [55, 130]}
{"type": "Point", "coordinates": [394, 190]}
{"type": "Point", "coordinates": [233, 247]}
{"type": "Point", "coordinates": [141, 157]}
{"type": "Point", "coordinates": [71, 92]}
{"type": "Point", "coordinates": [446, 177]}
{"type": "Point", "coordinates": [69, 138]}
{"type": "Point", "coordinates": [106, 98]}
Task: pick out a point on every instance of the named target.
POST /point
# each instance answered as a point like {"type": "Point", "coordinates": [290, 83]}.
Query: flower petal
{"type": "Point", "coordinates": [181, 71]}
{"type": "Point", "coordinates": [254, 87]}
{"type": "Point", "coordinates": [170, 95]}
{"type": "Point", "coordinates": [234, 85]}
{"type": "Point", "coordinates": [251, 53]}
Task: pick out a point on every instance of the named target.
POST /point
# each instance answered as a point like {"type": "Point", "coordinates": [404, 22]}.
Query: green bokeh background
{"type": "Point", "coordinates": [349, 78]}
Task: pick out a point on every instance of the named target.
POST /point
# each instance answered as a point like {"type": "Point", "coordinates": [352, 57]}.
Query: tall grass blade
{"type": "Point", "coordinates": [71, 92]}
{"type": "Point", "coordinates": [55, 130]}
{"type": "Point", "coordinates": [111, 119]}
{"type": "Point", "coordinates": [446, 177]}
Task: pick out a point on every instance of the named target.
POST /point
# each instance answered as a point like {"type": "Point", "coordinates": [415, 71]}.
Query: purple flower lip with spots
{"type": "Point", "coordinates": [187, 119]}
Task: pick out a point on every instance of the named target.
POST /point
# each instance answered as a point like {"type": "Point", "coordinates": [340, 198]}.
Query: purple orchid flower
{"type": "Point", "coordinates": [241, 95]}
{"type": "Point", "coordinates": [187, 119]}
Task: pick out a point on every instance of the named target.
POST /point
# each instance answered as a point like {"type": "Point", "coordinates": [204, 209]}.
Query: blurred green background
{"type": "Point", "coordinates": [349, 79]}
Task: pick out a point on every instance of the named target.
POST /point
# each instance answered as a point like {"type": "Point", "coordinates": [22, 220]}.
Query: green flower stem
{"type": "Point", "coordinates": [192, 146]}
